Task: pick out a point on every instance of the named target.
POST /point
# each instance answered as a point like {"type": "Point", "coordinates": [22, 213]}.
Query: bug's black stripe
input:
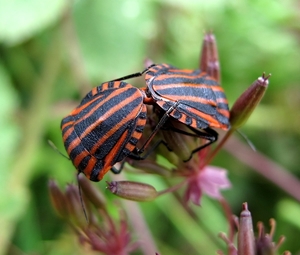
{"type": "Point", "coordinates": [223, 119]}
{"type": "Point", "coordinates": [184, 80]}
{"type": "Point", "coordinates": [66, 120]}
{"type": "Point", "coordinates": [139, 129]}
{"type": "Point", "coordinates": [222, 106]}
{"type": "Point", "coordinates": [96, 170]}
{"type": "Point", "coordinates": [83, 164]}
{"type": "Point", "coordinates": [205, 108]}
{"type": "Point", "coordinates": [183, 91]}
{"type": "Point", "coordinates": [220, 94]}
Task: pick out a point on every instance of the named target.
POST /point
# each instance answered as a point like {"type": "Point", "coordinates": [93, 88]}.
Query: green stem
{"type": "Point", "coordinates": [173, 188]}
{"type": "Point", "coordinates": [37, 114]}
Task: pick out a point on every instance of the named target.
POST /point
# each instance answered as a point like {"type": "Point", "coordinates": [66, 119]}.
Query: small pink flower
{"type": "Point", "coordinates": [210, 180]}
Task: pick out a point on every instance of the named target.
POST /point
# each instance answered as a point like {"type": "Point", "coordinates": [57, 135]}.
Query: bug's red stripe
{"type": "Point", "coordinates": [104, 86]}
{"type": "Point", "coordinates": [224, 112]}
{"type": "Point", "coordinates": [222, 101]}
{"type": "Point", "coordinates": [194, 123]}
{"type": "Point", "coordinates": [67, 133]}
{"type": "Point", "coordinates": [79, 158]}
{"type": "Point", "coordinates": [111, 156]}
{"type": "Point", "coordinates": [66, 125]}
{"type": "Point", "coordinates": [73, 145]}
{"type": "Point", "coordinates": [90, 167]}
{"type": "Point", "coordinates": [217, 89]}
{"type": "Point", "coordinates": [94, 91]}
{"type": "Point", "coordinates": [183, 118]}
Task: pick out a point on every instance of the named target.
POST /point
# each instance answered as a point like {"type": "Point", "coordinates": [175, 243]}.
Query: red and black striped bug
{"type": "Point", "coordinates": [105, 128]}
{"type": "Point", "coordinates": [189, 96]}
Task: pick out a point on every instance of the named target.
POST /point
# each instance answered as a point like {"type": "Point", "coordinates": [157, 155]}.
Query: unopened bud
{"type": "Point", "coordinates": [57, 198]}
{"type": "Point", "coordinates": [74, 206]}
{"type": "Point", "coordinates": [148, 62]}
{"type": "Point", "coordinates": [209, 59]}
{"type": "Point", "coordinates": [246, 245]}
{"type": "Point", "coordinates": [264, 242]}
{"type": "Point", "coordinates": [130, 190]}
{"type": "Point", "coordinates": [247, 102]}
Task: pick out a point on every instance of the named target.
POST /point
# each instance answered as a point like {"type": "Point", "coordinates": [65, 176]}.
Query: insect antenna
{"type": "Point", "coordinates": [81, 199]}
{"type": "Point", "coordinates": [252, 146]}
{"type": "Point", "coordinates": [57, 150]}
{"type": "Point", "coordinates": [138, 74]}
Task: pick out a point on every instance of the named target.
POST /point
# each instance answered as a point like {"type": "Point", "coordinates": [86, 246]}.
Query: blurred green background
{"type": "Point", "coordinates": [53, 52]}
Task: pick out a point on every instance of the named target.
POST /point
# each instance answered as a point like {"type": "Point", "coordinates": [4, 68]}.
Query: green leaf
{"type": "Point", "coordinates": [112, 35]}
{"type": "Point", "coordinates": [20, 20]}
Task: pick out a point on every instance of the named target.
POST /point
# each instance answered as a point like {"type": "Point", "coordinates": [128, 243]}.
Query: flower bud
{"type": "Point", "coordinates": [246, 244]}
{"type": "Point", "coordinates": [246, 103]}
{"type": "Point", "coordinates": [264, 242]}
{"type": "Point", "coordinates": [75, 206]}
{"type": "Point", "coordinates": [130, 190]}
{"type": "Point", "coordinates": [209, 59]}
{"type": "Point", "coordinates": [148, 62]}
{"type": "Point", "coordinates": [57, 198]}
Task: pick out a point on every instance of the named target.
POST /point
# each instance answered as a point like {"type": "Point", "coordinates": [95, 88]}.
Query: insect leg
{"type": "Point", "coordinates": [208, 134]}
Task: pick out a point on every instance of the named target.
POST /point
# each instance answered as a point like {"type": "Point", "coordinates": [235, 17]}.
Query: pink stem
{"type": "Point", "coordinates": [264, 166]}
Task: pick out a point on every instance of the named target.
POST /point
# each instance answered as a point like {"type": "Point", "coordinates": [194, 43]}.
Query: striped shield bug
{"type": "Point", "coordinates": [189, 96]}
{"type": "Point", "coordinates": [105, 128]}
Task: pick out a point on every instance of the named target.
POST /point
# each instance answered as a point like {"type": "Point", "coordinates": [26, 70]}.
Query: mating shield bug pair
{"type": "Point", "coordinates": [107, 125]}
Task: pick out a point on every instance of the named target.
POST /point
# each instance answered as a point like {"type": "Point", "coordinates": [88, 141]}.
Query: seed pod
{"type": "Point", "coordinates": [246, 245]}
{"type": "Point", "coordinates": [58, 199]}
{"type": "Point", "coordinates": [247, 102]}
{"type": "Point", "coordinates": [130, 190]}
